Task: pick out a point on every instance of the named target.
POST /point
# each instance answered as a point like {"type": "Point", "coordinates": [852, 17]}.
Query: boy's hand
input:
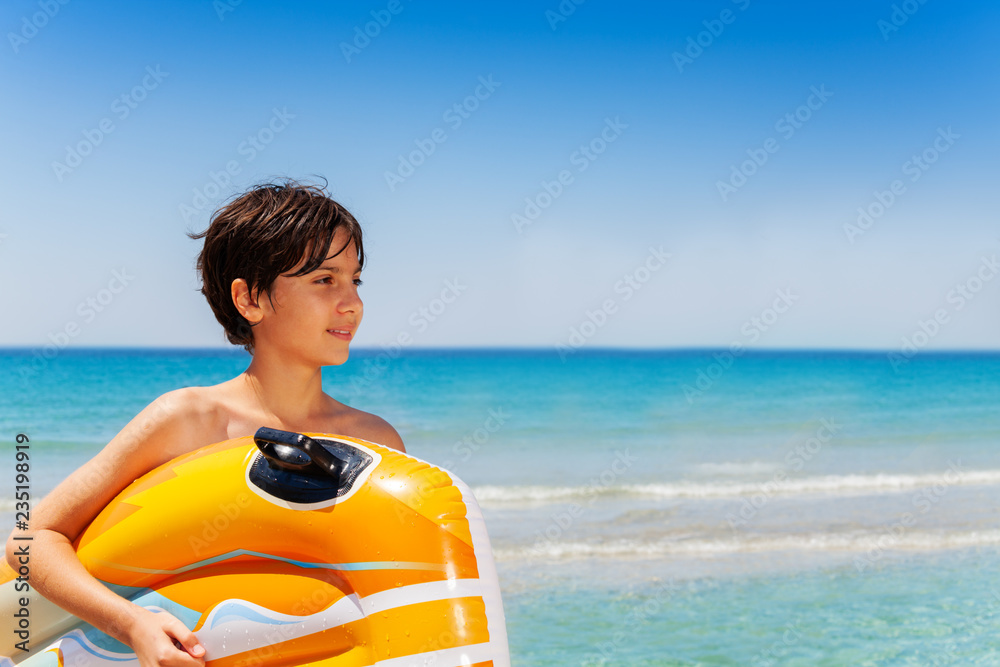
{"type": "Point", "coordinates": [160, 640]}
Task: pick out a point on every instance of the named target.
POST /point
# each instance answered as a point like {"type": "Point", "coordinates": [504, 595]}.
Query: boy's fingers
{"type": "Point", "coordinates": [181, 658]}
{"type": "Point", "coordinates": [187, 639]}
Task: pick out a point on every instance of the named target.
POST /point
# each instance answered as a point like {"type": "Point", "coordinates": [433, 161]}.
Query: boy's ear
{"type": "Point", "coordinates": [247, 307]}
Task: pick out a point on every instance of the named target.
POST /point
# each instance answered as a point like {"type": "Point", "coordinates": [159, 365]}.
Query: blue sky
{"type": "Point", "coordinates": [201, 78]}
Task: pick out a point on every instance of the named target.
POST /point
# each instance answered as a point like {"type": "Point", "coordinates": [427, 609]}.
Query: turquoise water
{"type": "Point", "coordinates": [932, 609]}
{"type": "Point", "coordinates": [651, 507]}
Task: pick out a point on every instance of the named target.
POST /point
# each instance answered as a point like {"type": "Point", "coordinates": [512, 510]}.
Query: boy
{"type": "Point", "coordinates": [280, 269]}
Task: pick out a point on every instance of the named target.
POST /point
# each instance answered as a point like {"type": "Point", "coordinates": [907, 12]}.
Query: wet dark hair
{"type": "Point", "coordinates": [259, 235]}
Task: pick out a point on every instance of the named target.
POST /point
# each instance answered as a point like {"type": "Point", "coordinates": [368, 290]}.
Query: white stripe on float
{"type": "Point", "coordinates": [490, 582]}
{"type": "Point", "coordinates": [226, 638]}
{"type": "Point", "coordinates": [419, 593]}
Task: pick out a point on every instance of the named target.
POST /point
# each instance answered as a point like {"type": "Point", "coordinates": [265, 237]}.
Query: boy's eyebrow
{"type": "Point", "coordinates": [335, 269]}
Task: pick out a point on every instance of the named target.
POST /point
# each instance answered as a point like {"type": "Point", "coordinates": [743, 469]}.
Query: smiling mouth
{"type": "Point", "coordinates": [339, 332]}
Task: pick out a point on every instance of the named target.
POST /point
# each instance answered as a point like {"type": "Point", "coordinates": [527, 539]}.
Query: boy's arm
{"type": "Point", "coordinates": [154, 436]}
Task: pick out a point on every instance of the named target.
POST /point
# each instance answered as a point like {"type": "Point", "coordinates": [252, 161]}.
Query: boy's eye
{"type": "Point", "coordinates": [357, 281]}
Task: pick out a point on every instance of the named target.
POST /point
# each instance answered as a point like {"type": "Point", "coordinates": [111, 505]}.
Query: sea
{"type": "Point", "coordinates": [653, 507]}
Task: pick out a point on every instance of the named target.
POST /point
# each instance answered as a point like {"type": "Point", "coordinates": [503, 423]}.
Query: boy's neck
{"type": "Point", "coordinates": [293, 395]}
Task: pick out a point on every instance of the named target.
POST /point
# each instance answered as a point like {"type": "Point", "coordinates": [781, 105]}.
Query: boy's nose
{"type": "Point", "coordinates": [350, 303]}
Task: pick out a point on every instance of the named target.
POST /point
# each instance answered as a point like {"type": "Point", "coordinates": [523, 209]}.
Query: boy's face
{"type": "Point", "coordinates": [311, 311]}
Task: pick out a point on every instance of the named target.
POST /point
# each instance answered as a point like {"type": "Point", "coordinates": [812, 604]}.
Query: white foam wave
{"type": "Point", "coordinates": [837, 485]}
{"type": "Point", "coordinates": [734, 469]}
{"type": "Point", "coordinates": [871, 544]}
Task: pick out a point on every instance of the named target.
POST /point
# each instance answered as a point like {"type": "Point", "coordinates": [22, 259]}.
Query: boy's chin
{"type": "Point", "coordinates": [336, 359]}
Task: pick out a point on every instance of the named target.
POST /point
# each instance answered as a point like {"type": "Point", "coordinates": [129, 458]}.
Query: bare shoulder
{"type": "Point", "coordinates": [374, 429]}
{"type": "Point", "coordinates": [189, 407]}
{"type": "Point", "coordinates": [177, 421]}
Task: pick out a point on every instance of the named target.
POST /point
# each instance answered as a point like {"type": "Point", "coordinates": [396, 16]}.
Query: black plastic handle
{"type": "Point", "coordinates": [320, 460]}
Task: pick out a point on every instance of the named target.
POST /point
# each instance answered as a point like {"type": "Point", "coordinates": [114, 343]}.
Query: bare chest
{"type": "Point", "coordinates": [238, 426]}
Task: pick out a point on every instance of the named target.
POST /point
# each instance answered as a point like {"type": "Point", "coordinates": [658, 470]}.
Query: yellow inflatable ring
{"type": "Point", "coordinates": [296, 549]}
